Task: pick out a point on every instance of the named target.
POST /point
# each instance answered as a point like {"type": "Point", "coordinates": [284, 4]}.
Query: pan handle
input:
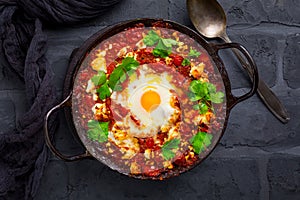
{"type": "Point", "coordinates": [233, 100]}
{"type": "Point", "coordinates": [54, 150]}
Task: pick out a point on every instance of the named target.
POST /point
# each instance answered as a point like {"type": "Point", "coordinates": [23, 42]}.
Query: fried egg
{"type": "Point", "coordinates": [148, 98]}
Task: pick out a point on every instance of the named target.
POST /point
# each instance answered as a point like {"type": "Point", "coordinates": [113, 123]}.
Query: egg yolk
{"type": "Point", "coordinates": [150, 100]}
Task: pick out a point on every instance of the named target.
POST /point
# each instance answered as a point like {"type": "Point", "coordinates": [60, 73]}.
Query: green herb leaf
{"type": "Point", "coordinates": [98, 131]}
{"type": "Point", "coordinates": [161, 53]}
{"type": "Point", "coordinates": [205, 93]}
{"type": "Point", "coordinates": [163, 47]}
{"type": "Point", "coordinates": [161, 50]}
{"type": "Point", "coordinates": [194, 97]}
{"type": "Point", "coordinates": [104, 91]}
{"type": "Point", "coordinates": [211, 88]}
{"type": "Point", "coordinates": [119, 73]}
{"type": "Point", "coordinates": [202, 107]}
{"type": "Point", "coordinates": [199, 88]}
{"type": "Point", "coordinates": [99, 79]}
{"type": "Point", "coordinates": [217, 97]}
{"type": "Point", "coordinates": [168, 42]}
{"type": "Point", "coordinates": [169, 147]}
{"type": "Point", "coordinates": [129, 63]}
{"type": "Point", "coordinates": [185, 62]}
{"type": "Point", "coordinates": [151, 38]}
{"type": "Point", "coordinates": [200, 141]}
{"type": "Point", "coordinates": [194, 53]}
{"type": "Point", "coordinates": [115, 77]}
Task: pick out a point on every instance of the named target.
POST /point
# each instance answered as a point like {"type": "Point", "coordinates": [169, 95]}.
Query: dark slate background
{"type": "Point", "coordinates": [258, 157]}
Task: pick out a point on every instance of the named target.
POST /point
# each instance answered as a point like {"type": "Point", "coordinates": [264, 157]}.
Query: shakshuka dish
{"type": "Point", "coordinates": [148, 102]}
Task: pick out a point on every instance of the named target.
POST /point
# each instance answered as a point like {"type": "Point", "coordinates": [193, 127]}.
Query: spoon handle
{"type": "Point", "coordinates": [265, 93]}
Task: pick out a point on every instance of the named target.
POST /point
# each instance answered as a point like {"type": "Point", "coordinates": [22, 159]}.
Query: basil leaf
{"type": "Point", "coordinates": [200, 141]}
{"type": "Point", "coordinates": [169, 147]}
{"type": "Point", "coordinates": [98, 131]}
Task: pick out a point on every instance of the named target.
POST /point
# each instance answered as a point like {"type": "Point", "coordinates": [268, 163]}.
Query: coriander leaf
{"type": "Point", "coordinates": [196, 107]}
{"type": "Point", "coordinates": [194, 97]}
{"type": "Point", "coordinates": [211, 88]}
{"type": "Point", "coordinates": [161, 53]}
{"type": "Point", "coordinates": [169, 147]}
{"type": "Point", "coordinates": [161, 50]}
{"type": "Point", "coordinates": [161, 45]}
{"type": "Point", "coordinates": [104, 91]}
{"type": "Point", "coordinates": [129, 63]}
{"type": "Point", "coordinates": [217, 97]}
{"type": "Point", "coordinates": [169, 42]}
{"type": "Point", "coordinates": [199, 88]}
{"type": "Point", "coordinates": [115, 77]}
{"type": "Point", "coordinates": [99, 79]}
{"type": "Point", "coordinates": [122, 78]}
{"type": "Point", "coordinates": [185, 62]}
{"type": "Point", "coordinates": [194, 86]}
{"type": "Point", "coordinates": [98, 131]}
{"type": "Point", "coordinates": [200, 141]}
{"type": "Point", "coordinates": [203, 108]}
{"type": "Point", "coordinates": [194, 53]}
{"type": "Point", "coordinates": [151, 38]}
{"type": "Point", "coordinates": [119, 73]}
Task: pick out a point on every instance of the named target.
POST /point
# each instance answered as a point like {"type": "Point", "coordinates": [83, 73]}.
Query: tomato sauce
{"type": "Point", "coordinates": [154, 158]}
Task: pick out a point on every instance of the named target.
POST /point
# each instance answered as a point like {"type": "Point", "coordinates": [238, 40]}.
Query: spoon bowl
{"type": "Point", "coordinates": [208, 17]}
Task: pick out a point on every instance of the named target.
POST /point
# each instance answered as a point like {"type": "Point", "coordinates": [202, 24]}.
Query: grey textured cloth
{"type": "Point", "coordinates": [23, 154]}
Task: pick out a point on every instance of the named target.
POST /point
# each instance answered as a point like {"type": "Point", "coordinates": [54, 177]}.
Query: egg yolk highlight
{"type": "Point", "coordinates": [150, 100]}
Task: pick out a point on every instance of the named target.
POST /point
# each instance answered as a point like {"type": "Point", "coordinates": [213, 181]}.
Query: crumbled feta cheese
{"type": "Point", "coordinates": [140, 44]}
{"type": "Point", "coordinates": [122, 52]}
{"type": "Point", "coordinates": [99, 63]}
{"type": "Point", "coordinates": [90, 88]}
{"type": "Point", "coordinates": [197, 71]}
{"type": "Point", "coordinates": [135, 168]}
{"type": "Point", "coordinates": [147, 153]}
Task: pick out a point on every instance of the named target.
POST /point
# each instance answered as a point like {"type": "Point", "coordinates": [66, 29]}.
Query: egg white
{"type": "Point", "coordinates": [130, 98]}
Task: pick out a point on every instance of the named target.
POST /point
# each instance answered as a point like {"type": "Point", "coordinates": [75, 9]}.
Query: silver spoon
{"type": "Point", "coordinates": [209, 19]}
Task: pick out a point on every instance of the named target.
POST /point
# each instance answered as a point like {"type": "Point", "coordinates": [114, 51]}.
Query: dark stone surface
{"type": "Point", "coordinates": [245, 12]}
{"type": "Point", "coordinates": [284, 177]}
{"type": "Point", "coordinates": [253, 12]}
{"type": "Point", "coordinates": [291, 60]}
{"type": "Point", "coordinates": [258, 128]}
{"type": "Point", "coordinates": [215, 179]}
{"type": "Point", "coordinates": [257, 158]}
{"type": "Point", "coordinates": [265, 52]}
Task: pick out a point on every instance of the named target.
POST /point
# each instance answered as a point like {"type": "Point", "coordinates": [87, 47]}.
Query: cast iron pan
{"type": "Point", "coordinates": [80, 54]}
